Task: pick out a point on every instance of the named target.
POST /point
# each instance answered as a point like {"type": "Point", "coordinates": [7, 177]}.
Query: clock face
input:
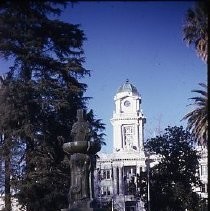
{"type": "Point", "coordinates": [127, 103]}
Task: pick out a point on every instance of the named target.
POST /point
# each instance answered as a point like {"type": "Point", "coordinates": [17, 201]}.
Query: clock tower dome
{"type": "Point", "coordinates": [128, 120]}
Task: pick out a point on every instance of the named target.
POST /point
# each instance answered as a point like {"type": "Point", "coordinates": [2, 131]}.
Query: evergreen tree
{"type": "Point", "coordinates": [46, 92]}
{"type": "Point", "coordinates": [97, 128]}
{"type": "Point", "coordinates": [9, 146]}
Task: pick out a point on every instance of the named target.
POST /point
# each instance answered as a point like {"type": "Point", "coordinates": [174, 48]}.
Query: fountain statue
{"type": "Point", "coordinates": [81, 151]}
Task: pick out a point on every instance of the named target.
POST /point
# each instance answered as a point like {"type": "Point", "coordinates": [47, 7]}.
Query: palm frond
{"type": "Point", "coordinates": [195, 30]}
{"type": "Point", "coordinates": [197, 119]}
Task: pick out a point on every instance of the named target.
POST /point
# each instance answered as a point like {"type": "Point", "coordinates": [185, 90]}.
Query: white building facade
{"type": "Point", "coordinates": [115, 175]}
{"type": "Point", "coordinates": [116, 171]}
{"type": "Point", "coordinates": [203, 172]}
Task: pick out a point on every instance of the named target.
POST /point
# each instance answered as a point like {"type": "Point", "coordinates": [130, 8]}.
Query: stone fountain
{"type": "Point", "coordinates": [81, 151]}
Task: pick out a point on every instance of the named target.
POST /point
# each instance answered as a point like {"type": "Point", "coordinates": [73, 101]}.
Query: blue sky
{"type": "Point", "coordinates": [142, 42]}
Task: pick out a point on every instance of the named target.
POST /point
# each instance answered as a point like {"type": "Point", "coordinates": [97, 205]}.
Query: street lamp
{"type": "Point", "coordinates": [99, 185]}
{"type": "Point", "coordinates": [148, 181]}
{"type": "Point", "coordinates": [123, 169]}
{"type": "Point", "coordinates": [112, 177]}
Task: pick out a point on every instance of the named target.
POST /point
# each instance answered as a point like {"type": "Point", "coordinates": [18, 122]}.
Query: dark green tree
{"type": "Point", "coordinates": [97, 128]}
{"type": "Point", "coordinates": [5, 170]}
{"type": "Point", "coordinates": [48, 60]}
{"type": "Point", "coordinates": [5, 143]}
{"type": "Point", "coordinates": [173, 178]}
{"type": "Point", "coordinates": [9, 146]}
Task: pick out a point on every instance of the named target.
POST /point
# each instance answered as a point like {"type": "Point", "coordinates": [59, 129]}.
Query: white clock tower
{"type": "Point", "coordinates": [115, 171]}
{"type": "Point", "coordinates": [128, 120]}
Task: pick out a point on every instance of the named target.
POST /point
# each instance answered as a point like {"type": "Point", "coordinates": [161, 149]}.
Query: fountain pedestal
{"type": "Point", "coordinates": [81, 152]}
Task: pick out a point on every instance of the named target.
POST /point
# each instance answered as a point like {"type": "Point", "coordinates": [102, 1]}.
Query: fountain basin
{"type": "Point", "coordinates": [86, 147]}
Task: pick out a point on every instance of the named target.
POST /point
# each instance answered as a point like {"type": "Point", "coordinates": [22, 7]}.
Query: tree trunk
{"type": "Point", "coordinates": [29, 149]}
{"type": "Point", "coordinates": [7, 179]}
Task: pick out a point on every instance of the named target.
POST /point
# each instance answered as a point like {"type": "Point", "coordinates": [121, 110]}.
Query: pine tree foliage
{"type": "Point", "coordinates": [42, 48]}
{"type": "Point", "coordinates": [97, 128]}
{"type": "Point", "coordinates": [40, 99]}
{"type": "Point", "coordinates": [10, 147]}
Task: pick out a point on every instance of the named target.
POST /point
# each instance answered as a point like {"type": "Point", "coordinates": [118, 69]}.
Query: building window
{"type": "Point", "coordinates": [103, 191]}
{"type": "Point", "coordinates": [106, 191]}
{"type": "Point", "coordinates": [106, 174]}
{"type": "Point", "coordinates": [204, 170]}
{"type": "Point", "coordinates": [130, 208]}
{"type": "Point", "coordinates": [128, 131]}
{"type": "Point", "coordinates": [204, 188]}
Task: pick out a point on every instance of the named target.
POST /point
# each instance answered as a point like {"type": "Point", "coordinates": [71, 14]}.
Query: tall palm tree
{"type": "Point", "coordinates": [198, 118]}
{"type": "Point", "coordinates": [195, 29]}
